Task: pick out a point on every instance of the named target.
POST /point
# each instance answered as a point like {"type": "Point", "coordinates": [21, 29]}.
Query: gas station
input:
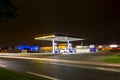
{"type": "Point", "coordinates": [54, 38]}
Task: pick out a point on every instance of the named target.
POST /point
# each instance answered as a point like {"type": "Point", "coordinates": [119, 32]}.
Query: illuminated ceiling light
{"type": "Point", "coordinates": [45, 37]}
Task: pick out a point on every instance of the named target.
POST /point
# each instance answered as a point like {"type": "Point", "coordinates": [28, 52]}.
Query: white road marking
{"type": "Point", "coordinates": [1, 65]}
{"type": "Point", "coordinates": [44, 76]}
{"type": "Point", "coordinates": [108, 69]}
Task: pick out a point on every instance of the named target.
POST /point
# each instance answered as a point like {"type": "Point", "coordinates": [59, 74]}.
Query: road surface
{"type": "Point", "coordinates": [45, 70]}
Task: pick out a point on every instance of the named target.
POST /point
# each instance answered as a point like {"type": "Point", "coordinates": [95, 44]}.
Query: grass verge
{"type": "Point", "coordinates": [11, 75]}
{"type": "Point", "coordinates": [113, 59]}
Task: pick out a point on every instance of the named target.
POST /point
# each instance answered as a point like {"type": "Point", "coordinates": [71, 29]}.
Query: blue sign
{"type": "Point", "coordinates": [27, 47]}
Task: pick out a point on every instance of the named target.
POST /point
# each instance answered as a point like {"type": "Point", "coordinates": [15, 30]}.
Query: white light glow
{"type": "Point", "coordinates": [92, 46]}
{"type": "Point", "coordinates": [113, 46]}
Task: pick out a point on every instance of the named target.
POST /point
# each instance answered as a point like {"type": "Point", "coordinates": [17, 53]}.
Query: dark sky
{"type": "Point", "coordinates": [97, 20]}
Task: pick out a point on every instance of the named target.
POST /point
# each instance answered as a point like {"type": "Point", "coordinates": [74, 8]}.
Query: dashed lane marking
{"type": "Point", "coordinates": [44, 76]}
{"type": "Point", "coordinates": [1, 65]}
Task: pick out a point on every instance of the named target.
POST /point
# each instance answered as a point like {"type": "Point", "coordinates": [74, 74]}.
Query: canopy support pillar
{"type": "Point", "coordinates": [68, 46]}
{"type": "Point", "coordinates": [53, 46]}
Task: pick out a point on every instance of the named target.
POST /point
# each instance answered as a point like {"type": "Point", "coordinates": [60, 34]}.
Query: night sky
{"type": "Point", "coordinates": [97, 20]}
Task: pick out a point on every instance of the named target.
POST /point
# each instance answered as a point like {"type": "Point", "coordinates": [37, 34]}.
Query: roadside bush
{"type": "Point", "coordinates": [113, 59]}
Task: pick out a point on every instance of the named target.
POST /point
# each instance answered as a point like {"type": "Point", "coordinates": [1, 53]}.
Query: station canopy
{"type": "Point", "coordinates": [58, 37]}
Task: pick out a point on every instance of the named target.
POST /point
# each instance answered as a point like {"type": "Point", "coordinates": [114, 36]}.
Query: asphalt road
{"type": "Point", "coordinates": [59, 71]}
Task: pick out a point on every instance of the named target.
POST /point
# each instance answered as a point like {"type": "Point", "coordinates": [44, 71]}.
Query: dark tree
{"type": "Point", "coordinates": [7, 10]}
